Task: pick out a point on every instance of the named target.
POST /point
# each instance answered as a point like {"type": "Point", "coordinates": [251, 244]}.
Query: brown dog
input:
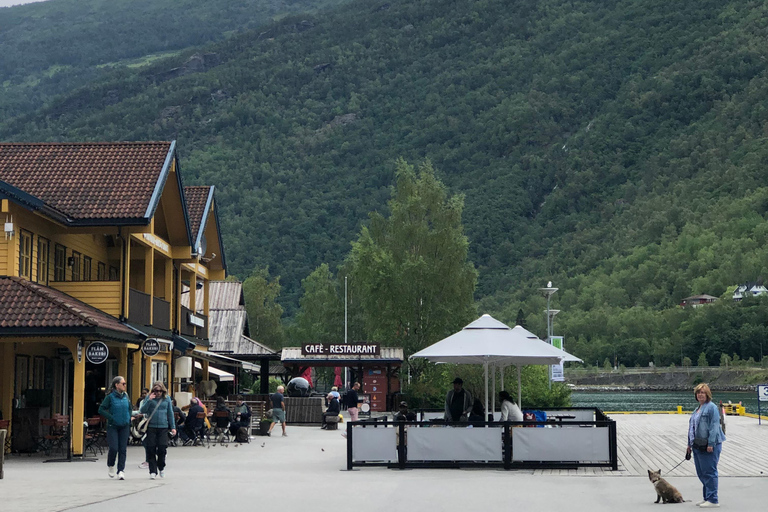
{"type": "Point", "coordinates": [664, 490]}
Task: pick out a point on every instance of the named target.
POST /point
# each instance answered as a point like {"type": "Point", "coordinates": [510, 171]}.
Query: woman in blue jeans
{"type": "Point", "coordinates": [705, 440]}
{"type": "Point", "coordinates": [116, 407]}
{"type": "Point", "coordinates": [159, 407]}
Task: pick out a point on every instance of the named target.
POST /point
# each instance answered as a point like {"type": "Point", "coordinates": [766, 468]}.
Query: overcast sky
{"type": "Point", "coordinates": [6, 3]}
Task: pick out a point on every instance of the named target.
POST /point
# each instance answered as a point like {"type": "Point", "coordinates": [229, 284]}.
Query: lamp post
{"type": "Point", "coordinates": [548, 292]}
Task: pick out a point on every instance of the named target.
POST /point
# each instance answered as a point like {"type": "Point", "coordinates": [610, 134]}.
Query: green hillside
{"type": "Point", "coordinates": [616, 148]}
{"type": "Point", "coordinates": [51, 47]}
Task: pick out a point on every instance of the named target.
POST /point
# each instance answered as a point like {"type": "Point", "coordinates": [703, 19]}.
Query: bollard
{"type": "Point", "coordinates": [679, 409]}
{"type": "Point", "coordinates": [3, 433]}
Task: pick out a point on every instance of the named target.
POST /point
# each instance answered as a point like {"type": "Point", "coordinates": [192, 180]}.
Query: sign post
{"type": "Point", "coordinates": [762, 396]}
{"type": "Point", "coordinates": [556, 370]}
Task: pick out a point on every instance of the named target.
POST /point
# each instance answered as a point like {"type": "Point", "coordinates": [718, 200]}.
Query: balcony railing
{"type": "Point", "coordinates": [191, 329]}
{"type": "Point", "coordinates": [162, 316]}
{"type": "Point", "coordinates": [139, 304]}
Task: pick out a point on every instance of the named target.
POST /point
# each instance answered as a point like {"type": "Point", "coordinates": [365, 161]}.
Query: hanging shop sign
{"type": "Point", "coordinates": [97, 352]}
{"type": "Point", "coordinates": [150, 347]}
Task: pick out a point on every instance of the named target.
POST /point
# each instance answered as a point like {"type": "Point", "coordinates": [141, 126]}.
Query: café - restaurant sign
{"type": "Point", "coordinates": [97, 352]}
{"type": "Point", "coordinates": [340, 349]}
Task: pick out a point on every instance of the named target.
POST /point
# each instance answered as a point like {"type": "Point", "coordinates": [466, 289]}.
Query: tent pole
{"type": "Point", "coordinates": [519, 389]}
{"type": "Point", "coordinates": [486, 385]}
{"type": "Point", "coordinates": [493, 395]}
{"type": "Point", "coordinates": [501, 370]}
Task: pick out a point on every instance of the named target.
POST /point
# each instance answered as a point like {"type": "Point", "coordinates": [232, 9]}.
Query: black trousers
{"type": "Point", "coordinates": [156, 446]}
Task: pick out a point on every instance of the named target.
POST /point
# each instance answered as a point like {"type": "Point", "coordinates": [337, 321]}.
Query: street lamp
{"type": "Point", "coordinates": [548, 292]}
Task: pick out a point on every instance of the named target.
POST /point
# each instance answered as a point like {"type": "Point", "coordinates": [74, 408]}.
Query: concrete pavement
{"type": "Point", "coordinates": [307, 470]}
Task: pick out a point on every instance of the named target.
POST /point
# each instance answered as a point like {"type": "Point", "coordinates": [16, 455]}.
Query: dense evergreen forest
{"type": "Point", "coordinates": [616, 148]}
{"type": "Point", "coordinates": [51, 47]}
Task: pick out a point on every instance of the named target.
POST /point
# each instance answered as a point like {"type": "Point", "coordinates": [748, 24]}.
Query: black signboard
{"type": "Point", "coordinates": [340, 349]}
{"type": "Point", "coordinates": [97, 352]}
{"type": "Point", "coordinates": [150, 347]}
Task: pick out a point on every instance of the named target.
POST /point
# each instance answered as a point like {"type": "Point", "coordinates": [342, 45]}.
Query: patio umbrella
{"type": "Point", "coordinates": [489, 342]}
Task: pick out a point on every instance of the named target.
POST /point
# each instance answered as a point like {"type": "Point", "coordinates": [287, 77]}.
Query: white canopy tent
{"type": "Point", "coordinates": [494, 344]}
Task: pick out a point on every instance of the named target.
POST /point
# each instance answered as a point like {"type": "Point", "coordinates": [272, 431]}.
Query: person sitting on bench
{"type": "Point", "coordinates": [333, 411]}
{"type": "Point", "coordinates": [242, 416]}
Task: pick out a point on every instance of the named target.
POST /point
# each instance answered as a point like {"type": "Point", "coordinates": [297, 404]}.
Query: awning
{"type": "Point", "coordinates": [219, 359]}
{"type": "Point", "coordinates": [182, 344]}
{"type": "Point", "coordinates": [174, 340]}
{"type": "Point", "coordinates": [221, 374]}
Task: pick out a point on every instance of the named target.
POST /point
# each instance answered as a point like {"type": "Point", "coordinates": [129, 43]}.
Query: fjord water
{"type": "Point", "coordinates": [659, 400]}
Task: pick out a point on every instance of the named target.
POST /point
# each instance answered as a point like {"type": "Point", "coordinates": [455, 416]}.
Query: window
{"type": "Point", "coordinates": [101, 272]}
{"type": "Point", "coordinates": [87, 264]}
{"type": "Point", "coordinates": [43, 257]}
{"type": "Point", "coordinates": [76, 261]}
{"type": "Point", "coordinates": [114, 273]}
{"type": "Point", "coordinates": [59, 263]}
{"type": "Point", "coordinates": [25, 254]}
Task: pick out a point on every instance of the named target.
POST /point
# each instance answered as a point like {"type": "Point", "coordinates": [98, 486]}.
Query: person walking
{"type": "Point", "coordinates": [705, 440]}
{"type": "Point", "coordinates": [278, 410]}
{"type": "Point", "coordinates": [351, 400]}
{"type": "Point", "coordinates": [116, 408]}
{"type": "Point", "coordinates": [161, 421]}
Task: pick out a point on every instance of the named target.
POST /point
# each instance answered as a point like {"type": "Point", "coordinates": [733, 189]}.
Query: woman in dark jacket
{"type": "Point", "coordinates": [157, 405]}
{"type": "Point", "coordinates": [116, 407]}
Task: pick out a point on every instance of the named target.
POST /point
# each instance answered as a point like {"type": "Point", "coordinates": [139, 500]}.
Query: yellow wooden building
{"type": "Point", "coordinates": [101, 242]}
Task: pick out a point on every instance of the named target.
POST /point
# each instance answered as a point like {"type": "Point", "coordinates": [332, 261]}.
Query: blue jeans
{"type": "Point", "coordinates": [117, 439]}
{"type": "Point", "coordinates": [706, 469]}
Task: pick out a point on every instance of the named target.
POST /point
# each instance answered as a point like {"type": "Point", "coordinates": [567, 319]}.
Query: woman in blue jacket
{"type": "Point", "coordinates": [705, 440]}
{"type": "Point", "coordinates": [116, 407]}
{"type": "Point", "coordinates": [158, 406]}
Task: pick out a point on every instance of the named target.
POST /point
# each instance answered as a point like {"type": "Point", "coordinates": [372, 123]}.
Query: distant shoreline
{"type": "Point", "coordinates": [651, 388]}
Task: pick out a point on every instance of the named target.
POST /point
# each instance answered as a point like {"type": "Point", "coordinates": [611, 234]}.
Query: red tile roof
{"type": "Point", "coordinates": [30, 306]}
{"type": "Point", "coordinates": [196, 198]}
{"type": "Point", "coordinates": [88, 180]}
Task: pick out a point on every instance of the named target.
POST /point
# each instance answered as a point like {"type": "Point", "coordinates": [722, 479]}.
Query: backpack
{"type": "Point", "coordinates": [241, 436]}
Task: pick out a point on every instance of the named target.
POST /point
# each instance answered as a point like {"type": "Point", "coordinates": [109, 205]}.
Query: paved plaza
{"type": "Point", "coordinates": [307, 470]}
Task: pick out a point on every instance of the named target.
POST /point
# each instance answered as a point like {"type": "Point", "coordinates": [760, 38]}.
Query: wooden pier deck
{"type": "Point", "coordinates": [657, 441]}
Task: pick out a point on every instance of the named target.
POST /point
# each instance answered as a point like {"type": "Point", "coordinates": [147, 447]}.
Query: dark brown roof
{"type": "Point", "coordinates": [88, 180]}
{"type": "Point", "coordinates": [32, 307]}
{"type": "Point", "coordinates": [196, 198]}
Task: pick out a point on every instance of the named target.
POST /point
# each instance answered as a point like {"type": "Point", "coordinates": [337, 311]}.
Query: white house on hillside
{"type": "Point", "coordinates": [747, 289]}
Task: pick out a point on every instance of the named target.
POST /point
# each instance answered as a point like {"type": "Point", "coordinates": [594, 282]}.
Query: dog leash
{"type": "Point", "coordinates": [678, 464]}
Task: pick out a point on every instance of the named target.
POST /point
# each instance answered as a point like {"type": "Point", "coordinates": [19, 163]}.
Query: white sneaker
{"type": "Point", "coordinates": [162, 473]}
{"type": "Point", "coordinates": [709, 504]}
{"type": "Point", "coordinates": [144, 465]}
{"type": "Point", "coordinates": [112, 471]}
{"type": "Point", "coordinates": [701, 503]}
{"type": "Point", "coordinates": [152, 476]}
{"type": "Point", "coordinates": [120, 475]}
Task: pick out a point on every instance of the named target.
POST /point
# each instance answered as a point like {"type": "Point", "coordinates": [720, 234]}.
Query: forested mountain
{"type": "Point", "coordinates": [616, 148]}
{"type": "Point", "coordinates": [48, 48]}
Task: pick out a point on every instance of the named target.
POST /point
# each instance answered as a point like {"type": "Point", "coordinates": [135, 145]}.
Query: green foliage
{"type": "Point", "coordinates": [607, 365]}
{"type": "Point", "coordinates": [687, 362]}
{"type": "Point", "coordinates": [321, 315]}
{"type": "Point", "coordinates": [702, 361]}
{"type": "Point", "coordinates": [273, 383]}
{"type": "Point", "coordinates": [410, 269]}
{"type": "Point", "coordinates": [616, 148]}
{"type": "Point", "coordinates": [264, 313]}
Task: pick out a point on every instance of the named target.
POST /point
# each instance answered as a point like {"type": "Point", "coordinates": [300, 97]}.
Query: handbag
{"type": "Point", "coordinates": [700, 443]}
{"type": "Point", "coordinates": [144, 423]}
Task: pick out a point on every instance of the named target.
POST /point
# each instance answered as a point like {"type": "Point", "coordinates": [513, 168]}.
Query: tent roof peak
{"type": "Point", "coordinates": [487, 322]}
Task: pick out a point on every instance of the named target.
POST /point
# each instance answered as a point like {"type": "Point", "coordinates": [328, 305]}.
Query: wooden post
{"type": "Point", "coordinates": [3, 433]}
{"type": "Point", "coordinates": [78, 399]}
